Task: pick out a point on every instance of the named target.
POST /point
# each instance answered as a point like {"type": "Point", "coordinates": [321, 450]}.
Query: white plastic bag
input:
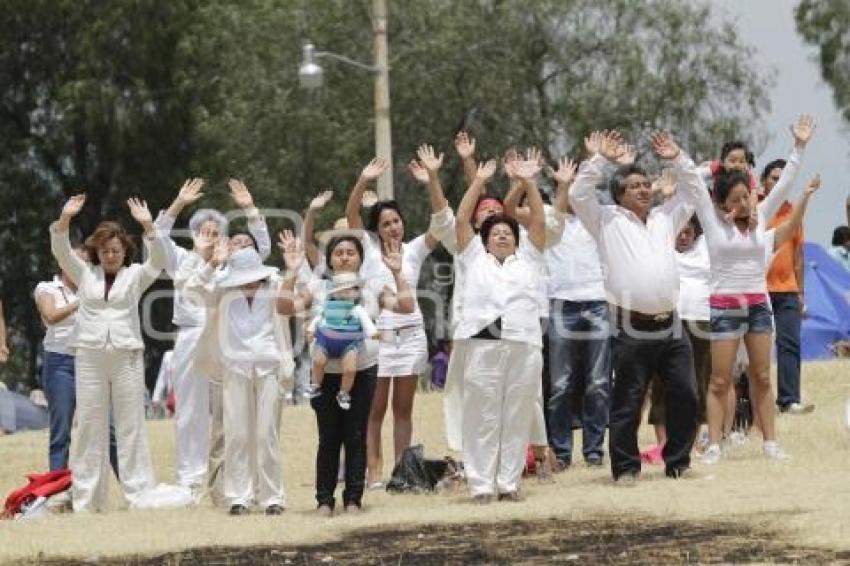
{"type": "Point", "coordinates": [164, 496]}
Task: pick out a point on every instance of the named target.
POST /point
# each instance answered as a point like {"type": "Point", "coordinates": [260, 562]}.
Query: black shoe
{"type": "Point", "coordinates": [274, 510]}
{"type": "Point", "coordinates": [237, 510]}
{"type": "Point", "coordinates": [677, 473]}
{"type": "Point", "coordinates": [627, 479]}
{"type": "Point", "coordinates": [593, 461]}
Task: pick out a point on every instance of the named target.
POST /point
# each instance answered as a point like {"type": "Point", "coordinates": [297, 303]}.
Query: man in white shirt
{"type": "Point", "coordinates": [636, 245]}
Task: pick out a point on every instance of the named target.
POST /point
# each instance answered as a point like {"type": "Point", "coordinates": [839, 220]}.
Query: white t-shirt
{"type": "Point", "coordinates": [509, 290]}
{"type": "Point", "coordinates": [574, 269]}
{"type": "Point", "coordinates": [58, 336]}
{"type": "Point", "coordinates": [413, 255]}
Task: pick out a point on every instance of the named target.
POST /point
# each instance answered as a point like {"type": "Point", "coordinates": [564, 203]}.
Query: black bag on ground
{"type": "Point", "coordinates": [415, 473]}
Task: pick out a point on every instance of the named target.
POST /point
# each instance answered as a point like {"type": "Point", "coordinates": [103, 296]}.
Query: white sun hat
{"type": "Point", "coordinates": [243, 267]}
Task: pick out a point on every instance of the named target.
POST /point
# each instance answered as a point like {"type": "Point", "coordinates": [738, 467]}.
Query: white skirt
{"type": "Point", "coordinates": [402, 352]}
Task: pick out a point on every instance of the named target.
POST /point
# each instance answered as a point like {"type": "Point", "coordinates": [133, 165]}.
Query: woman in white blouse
{"type": "Point", "coordinates": [403, 349]}
{"type": "Point", "coordinates": [107, 342]}
{"type": "Point", "coordinates": [500, 329]}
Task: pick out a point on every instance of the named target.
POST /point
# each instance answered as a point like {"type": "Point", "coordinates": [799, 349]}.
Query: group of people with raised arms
{"type": "Point", "coordinates": [619, 278]}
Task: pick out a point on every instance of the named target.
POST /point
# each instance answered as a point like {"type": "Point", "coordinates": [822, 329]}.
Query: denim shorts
{"type": "Point", "coordinates": [734, 322]}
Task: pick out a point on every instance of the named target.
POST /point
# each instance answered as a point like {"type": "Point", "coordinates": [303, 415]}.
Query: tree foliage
{"type": "Point", "coordinates": [130, 97]}
{"type": "Point", "coordinates": [826, 25]}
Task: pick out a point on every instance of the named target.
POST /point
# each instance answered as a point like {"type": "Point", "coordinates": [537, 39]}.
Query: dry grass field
{"type": "Point", "coordinates": [744, 509]}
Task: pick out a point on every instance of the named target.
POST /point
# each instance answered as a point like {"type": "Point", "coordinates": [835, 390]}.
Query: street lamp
{"type": "Point", "coordinates": [310, 76]}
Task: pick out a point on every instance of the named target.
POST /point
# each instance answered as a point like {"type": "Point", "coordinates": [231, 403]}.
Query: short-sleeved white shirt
{"type": "Point", "coordinates": [58, 336]}
{"type": "Point", "coordinates": [413, 255]}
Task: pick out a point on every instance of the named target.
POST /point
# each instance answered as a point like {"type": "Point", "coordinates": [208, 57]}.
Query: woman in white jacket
{"type": "Point", "coordinates": [107, 341]}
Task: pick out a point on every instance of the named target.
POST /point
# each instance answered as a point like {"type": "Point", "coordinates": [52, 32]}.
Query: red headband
{"type": "Point", "coordinates": [484, 201]}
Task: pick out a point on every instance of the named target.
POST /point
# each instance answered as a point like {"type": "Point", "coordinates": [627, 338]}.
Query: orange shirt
{"type": "Point", "coordinates": [782, 277]}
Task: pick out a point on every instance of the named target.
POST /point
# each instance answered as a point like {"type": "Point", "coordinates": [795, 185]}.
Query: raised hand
{"type": "Point", "coordinates": [812, 186]}
{"type": "Point", "coordinates": [665, 184]}
{"type": "Point", "coordinates": [663, 145]}
{"type": "Point", "coordinates": [593, 142]}
{"type": "Point", "coordinates": [320, 200]}
{"type": "Point", "coordinates": [428, 159]}
{"type": "Point", "coordinates": [803, 130]}
{"type": "Point", "coordinates": [291, 250]}
{"type": "Point", "coordinates": [419, 173]}
{"type": "Point", "coordinates": [374, 169]}
{"type": "Point", "coordinates": [140, 213]}
{"type": "Point", "coordinates": [220, 253]}
{"type": "Point", "coordinates": [511, 157]}
{"type": "Point", "coordinates": [369, 199]}
{"type": "Point", "coordinates": [628, 157]}
{"type": "Point", "coordinates": [465, 145]}
{"type": "Point", "coordinates": [611, 145]}
{"type": "Point", "coordinates": [566, 171]}
{"type": "Point", "coordinates": [240, 193]}
{"type": "Point", "coordinates": [485, 170]}
{"type": "Point", "coordinates": [190, 192]}
{"type": "Point", "coordinates": [530, 167]}
{"type": "Point", "coordinates": [73, 206]}
{"type": "Point", "coordinates": [205, 241]}
{"type": "Point", "coordinates": [392, 255]}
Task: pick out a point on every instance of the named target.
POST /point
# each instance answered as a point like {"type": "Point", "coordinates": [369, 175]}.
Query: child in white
{"type": "Point", "coordinates": [339, 325]}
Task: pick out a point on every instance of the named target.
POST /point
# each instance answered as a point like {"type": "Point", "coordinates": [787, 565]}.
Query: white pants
{"type": "Point", "coordinates": [192, 411]}
{"type": "Point", "coordinates": [104, 376]}
{"type": "Point", "coordinates": [501, 385]}
{"type": "Point", "coordinates": [253, 471]}
{"type": "Point", "coordinates": [215, 479]}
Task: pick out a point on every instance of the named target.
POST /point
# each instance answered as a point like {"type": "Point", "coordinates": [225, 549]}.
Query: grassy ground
{"type": "Point", "coordinates": [802, 503]}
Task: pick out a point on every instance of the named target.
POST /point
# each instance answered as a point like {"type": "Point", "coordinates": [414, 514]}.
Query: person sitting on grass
{"type": "Point", "coordinates": [340, 324]}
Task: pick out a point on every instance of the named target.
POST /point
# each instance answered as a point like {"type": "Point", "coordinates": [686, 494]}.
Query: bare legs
{"type": "Point", "coordinates": [403, 392]}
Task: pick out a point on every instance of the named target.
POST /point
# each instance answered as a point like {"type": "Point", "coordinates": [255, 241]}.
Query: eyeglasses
{"type": "Point", "coordinates": [646, 184]}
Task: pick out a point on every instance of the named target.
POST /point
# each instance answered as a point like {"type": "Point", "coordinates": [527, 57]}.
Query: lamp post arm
{"type": "Point", "coordinates": [347, 60]}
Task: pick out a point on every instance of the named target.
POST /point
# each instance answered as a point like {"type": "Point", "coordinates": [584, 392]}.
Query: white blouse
{"type": "Point", "coordinates": [57, 337]}
{"type": "Point", "coordinates": [694, 282]}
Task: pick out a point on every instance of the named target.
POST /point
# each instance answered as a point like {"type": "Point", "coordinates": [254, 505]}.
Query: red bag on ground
{"type": "Point", "coordinates": [40, 485]}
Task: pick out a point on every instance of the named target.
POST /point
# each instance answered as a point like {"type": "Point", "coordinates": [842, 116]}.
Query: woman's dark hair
{"type": "Point", "coordinates": [693, 222]}
{"type": "Point", "coordinates": [841, 235]}
{"type": "Point", "coordinates": [724, 184]}
{"type": "Point", "coordinates": [775, 164]}
{"type": "Point", "coordinates": [617, 184]}
{"type": "Point", "coordinates": [242, 232]}
{"type": "Point", "coordinates": [337, 240]}
{"type": "Point", "coordinates": [373, 217]}
{"type": "Point", "coordinates": [104, 232]}
{"type": "Point", "coordinates": [731, 146]}
{"type": "Point", "coordinates": [491, 221]}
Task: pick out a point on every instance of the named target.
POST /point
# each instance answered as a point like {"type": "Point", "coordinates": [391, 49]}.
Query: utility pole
{"type": "Point", "coordinates": [383, 135]}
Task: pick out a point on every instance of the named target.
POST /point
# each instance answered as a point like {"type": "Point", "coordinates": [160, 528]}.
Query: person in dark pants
{"type": "Point", "coordinates": [636, 246]}
{"type": "Point", "coordinates": [339, 429]}
{"type": "Point", "coordinates": [785, 285]}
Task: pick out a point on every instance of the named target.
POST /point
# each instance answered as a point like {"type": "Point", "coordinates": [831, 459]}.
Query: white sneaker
{"type": "Point", "coordinates": [712, 455]}
{"type": "Point", "coordinates": [737, 438]}
{"type": "Point", "coordinates": [798, 409]}
{"type": "Point", "coordinates": [773, 451]}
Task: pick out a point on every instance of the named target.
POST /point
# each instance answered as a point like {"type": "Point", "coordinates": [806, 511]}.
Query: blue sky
{"type": "Point", "coordinates": [768, 25]}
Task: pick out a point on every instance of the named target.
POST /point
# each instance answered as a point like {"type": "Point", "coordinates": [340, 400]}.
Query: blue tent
{"type": "Point", "coordinates": [827, 303]}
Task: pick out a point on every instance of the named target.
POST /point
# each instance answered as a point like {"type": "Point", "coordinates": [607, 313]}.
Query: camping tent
{"type": "Point", "coordinates": [827, 298]}
{"type": "Point", "coordinates": [17, 412]}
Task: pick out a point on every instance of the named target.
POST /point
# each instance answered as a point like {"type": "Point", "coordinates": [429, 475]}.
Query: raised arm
{"type": "Point", "coordinates": [463, 223]}
{"type": "Point", "coordinates": [786, 230]}
{"type": "Point", "coordinates": [604, 148]}
{"type": "Point", "coordinates": [352, 208]}
{"type": "Point", "coordinates": [60, 244]}
{"type": "Point", "coordinates": [564, 177]}
{"type": "Point", "coordinates": [465, 146]}
{"type": "Point", "coordinates": [189, 193]}
{"type": "Point", "coordinates": [403, 300]}
{"type": "Point", "coordinates": [802, 132]}
{"type": "Point", "coordinates": [527, 172]}
{"type": "Point", "coordinates": [256, 223]}
{"type": "Point", "coordinates": [431, 163]}
{"type": "Point", "coordinates": [289, 301]}
{"type": "Point", "coordinates": [157, 255]}
{"type": "Point", "coordinates": [308, 237]}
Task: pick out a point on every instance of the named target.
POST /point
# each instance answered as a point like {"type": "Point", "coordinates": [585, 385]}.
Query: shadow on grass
{"type": "Point", "coordinates": [603, 541]}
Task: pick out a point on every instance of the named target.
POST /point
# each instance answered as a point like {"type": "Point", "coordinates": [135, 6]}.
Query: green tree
{"type": "Point", "coordinates": [826, 25]}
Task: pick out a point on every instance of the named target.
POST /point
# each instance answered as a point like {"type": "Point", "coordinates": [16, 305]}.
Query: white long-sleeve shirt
{"type": "Point", "coordinates": [694, 282]}
{"type": "Point", "coordinates": [190, 313]}
{"type": "Point", "coordinates": [639, 258]}
{"type": "Point", "coordinates": [739, 260]}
